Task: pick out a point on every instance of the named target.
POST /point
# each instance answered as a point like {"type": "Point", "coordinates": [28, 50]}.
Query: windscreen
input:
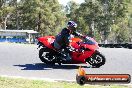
{"type": "Point", "coordinates": [89, 40]}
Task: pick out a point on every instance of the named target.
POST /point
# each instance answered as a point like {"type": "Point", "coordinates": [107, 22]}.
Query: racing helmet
{"type": "Point", "coordinates": [72, 25]}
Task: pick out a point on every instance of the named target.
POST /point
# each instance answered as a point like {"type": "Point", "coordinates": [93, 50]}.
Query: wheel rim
{"type": "Point", "coordinates": [47, 56]}
{"type": "Point", "coordinates": [96, 60]}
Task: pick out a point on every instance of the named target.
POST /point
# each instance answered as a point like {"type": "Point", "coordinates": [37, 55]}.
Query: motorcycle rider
{"type": "Point", "coordinates": [62, 40]}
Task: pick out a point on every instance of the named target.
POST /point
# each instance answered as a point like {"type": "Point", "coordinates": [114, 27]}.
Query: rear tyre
{"type": "Point", "coordinates": [96, 60]}
{"type": "Point", "coordinates": [46, 56]}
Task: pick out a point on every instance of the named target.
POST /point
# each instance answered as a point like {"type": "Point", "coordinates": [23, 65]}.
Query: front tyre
{"type": "Point", "coordinates": [96, 60]}
{"type": "Point", "coordinates": [46, 56]}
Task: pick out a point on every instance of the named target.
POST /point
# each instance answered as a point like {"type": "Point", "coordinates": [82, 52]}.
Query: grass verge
{"type": "Point", "coordinates": [26, 83]}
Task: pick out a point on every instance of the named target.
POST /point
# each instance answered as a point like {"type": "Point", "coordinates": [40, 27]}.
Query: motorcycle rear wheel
{"type": "Point", "coordinates": [96, 60]}
{"type": "Point", "coordinates": [46, 56]}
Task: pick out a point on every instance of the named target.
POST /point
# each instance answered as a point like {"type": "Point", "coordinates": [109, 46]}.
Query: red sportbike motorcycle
{"type": "Point", "coordinates": [82, 51]}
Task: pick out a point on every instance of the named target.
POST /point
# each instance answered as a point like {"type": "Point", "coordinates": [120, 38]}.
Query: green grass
{"type": "Point", "coordinates": [26, 83]}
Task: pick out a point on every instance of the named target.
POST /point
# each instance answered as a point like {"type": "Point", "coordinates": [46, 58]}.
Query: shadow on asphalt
{"type": "Point", "coordinates": [42, 66]}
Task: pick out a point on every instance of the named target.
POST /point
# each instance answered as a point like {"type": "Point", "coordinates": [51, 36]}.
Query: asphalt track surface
{"type": "Point", "coordinates": [22, 60]}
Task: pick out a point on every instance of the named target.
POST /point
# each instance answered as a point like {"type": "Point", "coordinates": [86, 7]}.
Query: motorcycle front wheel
{"type": "Point", "coordinates": [96, 60]}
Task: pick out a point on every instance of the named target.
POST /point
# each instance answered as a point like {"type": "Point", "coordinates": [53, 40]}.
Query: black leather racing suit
{"type": "Point", "coordinates": [62, 40]}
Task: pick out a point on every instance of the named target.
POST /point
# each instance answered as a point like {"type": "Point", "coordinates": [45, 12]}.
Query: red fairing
{"type": "Point", "coordinates": [81, 56]}
{"type": "Point", "coordinates": [47, 41]}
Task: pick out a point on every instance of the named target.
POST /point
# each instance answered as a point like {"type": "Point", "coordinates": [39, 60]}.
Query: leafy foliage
{"type": "Point", "coordinates": [97, 18]}
{"type": "Point", "coordinates": [44, 16]}
{"type": "Point", "coordinates": [109, 20]}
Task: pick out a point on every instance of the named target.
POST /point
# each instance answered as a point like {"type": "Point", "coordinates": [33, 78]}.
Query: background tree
{"type": "Point", "coordinates": [109, 20]}
{"type": "Point", "coordinates": [44, 16]}
{"type": "Point", "coordinates": [6, 11]}
{"type": "Point", "coordinates": [99, 16]}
